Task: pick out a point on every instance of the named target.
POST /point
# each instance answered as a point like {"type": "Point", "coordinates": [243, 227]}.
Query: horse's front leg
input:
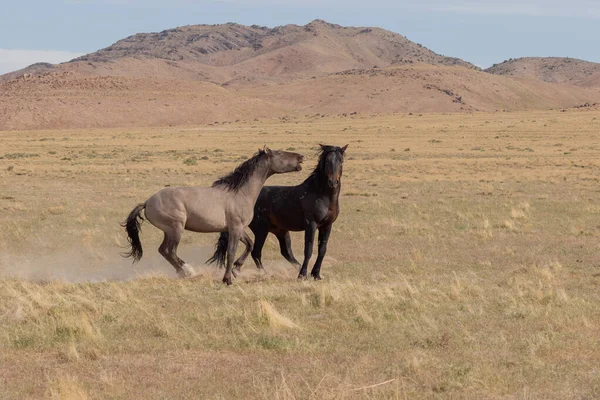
{"type": "Point", "coordinates": [237, 265]}
{"type": "Point", "coordinates": [309, 238]}
{"type": "Point", "coordinates": [324, 232]}
{"type": "Point", "coordinates": [235, 235]}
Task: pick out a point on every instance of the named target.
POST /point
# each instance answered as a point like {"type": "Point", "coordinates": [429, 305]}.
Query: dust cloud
{"type": "Point", "coordinates": [75, 266]}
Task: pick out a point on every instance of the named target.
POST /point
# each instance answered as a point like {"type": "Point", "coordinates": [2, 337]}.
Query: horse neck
{"type": "Point", "coordinates": [251, 189]}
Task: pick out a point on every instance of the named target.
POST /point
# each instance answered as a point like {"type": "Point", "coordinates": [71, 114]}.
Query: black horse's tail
{"type": "Point", "coordinates": [132, 226]}
{"type": "Point", "coordinates": [220, 250]}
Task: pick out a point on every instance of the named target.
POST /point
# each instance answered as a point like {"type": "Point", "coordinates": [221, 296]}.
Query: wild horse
{"type": "Point", "coordinates": [226, 206]}
{"type": "Point", "coordinates": [307, 207]}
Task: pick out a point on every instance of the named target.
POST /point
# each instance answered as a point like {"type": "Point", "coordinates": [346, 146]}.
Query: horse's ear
{"type": "Point", "coordinates": [344, 149]}
{"type": "Point", "coordinates": [268, 150]}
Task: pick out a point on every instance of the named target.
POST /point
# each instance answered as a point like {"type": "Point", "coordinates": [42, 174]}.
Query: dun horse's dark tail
{"type": "Point", "coordinates": [132, 226]}
{"type": "Point", "coordinates": [220, 250]}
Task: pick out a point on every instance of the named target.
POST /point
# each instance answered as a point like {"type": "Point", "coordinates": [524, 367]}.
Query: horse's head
{"type": "Point", "coordinates": [332, 158]}
{"type": "Point", "coordinates": [284, 161]}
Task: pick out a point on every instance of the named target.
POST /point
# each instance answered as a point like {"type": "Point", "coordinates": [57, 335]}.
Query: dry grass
{"type": "Point", "coordinates": [464, 267]}
{"type": "Point", "coordinates": [66, 389]}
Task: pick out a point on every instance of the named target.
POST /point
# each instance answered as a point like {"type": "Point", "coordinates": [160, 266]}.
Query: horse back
{"type": "Point", "coordinates": [279, 208]}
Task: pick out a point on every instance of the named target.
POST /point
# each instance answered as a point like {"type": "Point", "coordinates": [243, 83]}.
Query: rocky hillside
{"type": "Point", "coordinates": [551, 69]}
{"type": "Point", "coordinates": [221, 53]}
{"type": "Point", "coordinates": [231, 44]}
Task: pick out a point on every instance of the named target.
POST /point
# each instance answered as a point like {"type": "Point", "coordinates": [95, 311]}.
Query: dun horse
{"type": "Point", "coordinates": [226, 206]}
{"type": "Point", "coordinates": [307, 207]}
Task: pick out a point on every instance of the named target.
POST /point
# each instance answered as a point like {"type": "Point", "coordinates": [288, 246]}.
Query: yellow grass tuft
{"type": "Point", "coordinates": [67, 388]}
{"type": "Point", "coordinates": [275, 318]}
{"type": "Point", "coordinates": [555, 266]}
{"type": "Point", "coordinates": [456, 288]}
{"type": "Point", "coordinates": [70, 353]}
{"type": "Point", "coordinates": [517, 213]}
{"type": "Point", "coordinates": [509, 224]}
{"type": "Point", "coordinates": [562, 295]}
{"type": "Point", "coordinates": [364, 316]}
{"type": "Point", "coordinates": [77, 325]}
{"type": "Point", "coordinates": [56, 210]}
{"type": "Point", "coordinates": [521, 210]}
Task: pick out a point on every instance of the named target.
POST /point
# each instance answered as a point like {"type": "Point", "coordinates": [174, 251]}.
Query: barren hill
{"type": "Point", "coordinates": [551, 69]}
{"type": "Point", "coordinates": [220, 53]}
{"type": "Point", "coordinates": [71, 100]}
{"type": "Point", "coordinates": [208, 73]}
{"type": "Point", "coordinates": [316, 48]}
{"type": "Point", "coordinates": [418, 88]}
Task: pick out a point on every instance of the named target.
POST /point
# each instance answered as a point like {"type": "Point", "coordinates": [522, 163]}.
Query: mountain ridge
{"type": "Point", "coordinates": [202, 74]}
{"type": "Point", "coordinates": [223, 52]}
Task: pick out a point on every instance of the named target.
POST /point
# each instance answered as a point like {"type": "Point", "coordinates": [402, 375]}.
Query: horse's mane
{"type": "Point", "coordinates": [235, 180]}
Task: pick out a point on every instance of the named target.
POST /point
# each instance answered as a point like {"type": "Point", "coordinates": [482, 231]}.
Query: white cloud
{"type": "Point", "coordinates": [12, 60]}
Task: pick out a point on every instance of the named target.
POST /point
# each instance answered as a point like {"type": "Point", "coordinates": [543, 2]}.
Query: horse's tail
{"type": "Point", "coordinates": [220, 250]}
{"type": "Point", "coordinates": [132, 225]}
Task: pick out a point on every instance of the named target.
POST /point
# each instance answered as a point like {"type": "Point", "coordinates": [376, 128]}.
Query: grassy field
{"type": "Point", "coordinates": [465, 264]}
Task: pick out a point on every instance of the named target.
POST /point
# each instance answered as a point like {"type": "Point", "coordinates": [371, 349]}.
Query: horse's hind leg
{"type": "Point", "coordinates": [285, 246]}
{"type": "Point", "coordinates": [240, 261]}
{"type": "Point", "coordinates": [260, 236]}
{"type": "Point", "coordinates": [168, 249]}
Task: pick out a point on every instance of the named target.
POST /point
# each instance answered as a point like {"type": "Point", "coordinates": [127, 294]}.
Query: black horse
{"type": "Point", "coordinates": [307, 207]}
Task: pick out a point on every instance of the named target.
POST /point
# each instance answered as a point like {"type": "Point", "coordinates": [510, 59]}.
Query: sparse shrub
{"type": "Point", "coordinates": [190, 161]}
{"type": "Point", "coordinates": [12, 156]}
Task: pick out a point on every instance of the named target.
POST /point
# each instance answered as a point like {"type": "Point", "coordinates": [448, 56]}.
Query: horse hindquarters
{"type": "Point", "coordinates": [167, 213]}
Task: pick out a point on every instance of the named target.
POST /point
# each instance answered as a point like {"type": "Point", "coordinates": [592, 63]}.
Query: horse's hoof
{"type": "Point", "coordinates": [236, 271]}
{"type": "Point", "coordinates": [183, 274]}
{"type": "Point", "coordinates": [186, 271]}
{"type": "Point", "coordinates": [301, 277]}
{"type": "Point", "coordinates": [317, 277]}
{"type": "Point", "coordinates": [227, 281]}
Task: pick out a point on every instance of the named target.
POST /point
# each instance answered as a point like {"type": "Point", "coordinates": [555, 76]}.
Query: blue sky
{"type": "Point", "coordinates": [480, 31]}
